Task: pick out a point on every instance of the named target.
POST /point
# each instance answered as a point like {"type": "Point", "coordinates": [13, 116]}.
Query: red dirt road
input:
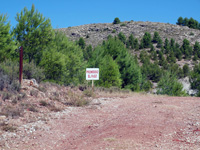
{"type": "Point", "coordinates": [138, 122]}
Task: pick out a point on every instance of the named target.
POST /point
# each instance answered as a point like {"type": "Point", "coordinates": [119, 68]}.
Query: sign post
{"type": "Point", "coordinates": [92, 74]}
{"type": "Point", "coordinates": [21, 65]}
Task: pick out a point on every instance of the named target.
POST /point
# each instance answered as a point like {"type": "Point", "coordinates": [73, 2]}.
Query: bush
{"type": "Point", "coordinates": [55, 109]}
{"type": "Point", "coordinates": [88, 93]}
{"type": "Point", "coordinates": [9, 128]}
{"type": "Point", "coordinates": [34, 93]}
{"type": "Point", "coordinates": [114, 31]}
{"type": "Point", "coordinates": [6, 96]}
{"type": "Point", "coordinates": [123, 24]}
{"type": "Point", "coordinates": [13, 112]}
{"type": "Point", "coordinates": [9, 73]}
{"type": "Point", "coordinates": [43, 103]}
{"type": "Point", "coordinates": [76, 100]}
{"type": "Point", "coordinates": [146, 85]}
{"type": "Point", "coordinates": [186, 70]}
{"type": "Point", "coordinates": [30, 70]}
{"type": "Point", "coordinates": [32, 108]}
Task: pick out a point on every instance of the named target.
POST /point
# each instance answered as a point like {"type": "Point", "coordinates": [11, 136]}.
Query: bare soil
{"type": "Point", "coordinates": [137, 121]}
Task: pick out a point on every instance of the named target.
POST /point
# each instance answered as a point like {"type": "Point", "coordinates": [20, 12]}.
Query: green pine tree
{"type": "Point", "coordinates": [34, 32]}
{"type": "Point", "coordinates": [116, 21]}
{"type": "Point", "coordinates": [109, 73]}
{"type": "Point", "coordinates": [180, 21]}
{"type": "Point", "coordinates": [169, 85]}
{"type": "Point", "coordinates": [131, 41]}
{"type": "Point", "coordinates": [156, 37]}
{"type": "Point", "coordinates": [146, 40]}
{"type": "Point", "coordinates": [7, 45]}
{"type": "Point", "coordinates": [122, 37]}
{"type": "Point", "coordinates": [81, 43]}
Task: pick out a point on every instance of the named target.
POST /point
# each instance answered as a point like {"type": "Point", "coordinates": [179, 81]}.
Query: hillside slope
{"type": "Point", "coordinates": [94, 34]}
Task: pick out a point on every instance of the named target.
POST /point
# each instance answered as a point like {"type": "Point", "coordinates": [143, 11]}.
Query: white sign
{"type": "Point", "coordinates": [92, 73]}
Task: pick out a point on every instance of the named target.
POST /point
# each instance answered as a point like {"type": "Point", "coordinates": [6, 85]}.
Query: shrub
{"type": "Point", "coordinates": [113, 31]}
{"type": "Point", "coordinates": [9, 73]}
{"type": "Point", "coordinates": [43, 103]}
{"type": "Point", "coordinates": [76, 100]}
{"type": "Point", "coordinates": [9, 128]}
{"type": "Point", "coordinates": [146, 85]}
{"type": "Point", "coordinates": [6, 95]}
{"type": "Point", "coordinates": [55, 109]}
{"type": "Point", "coordinates": [191, 33]}
{"type": "Point", "coordinates": [88, 93]}
{"type": "Point", "coordinates": [10, 111]}
{"type": "Point", "coordinates": [82, 87]}
{"type": "Point", "coordinates": [30, 70]}
{"type": "Point", "coordinates": [42, 89]}
{"type": "Point", "coordinates": [34, 93]}
{"type": "Point", "coordinates": [123, 24]}
{"type": "Point", "coordinates": [32, 108]}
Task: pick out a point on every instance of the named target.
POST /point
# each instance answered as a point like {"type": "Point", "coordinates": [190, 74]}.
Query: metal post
{"type": "Point", "coordinates": [21, 65]}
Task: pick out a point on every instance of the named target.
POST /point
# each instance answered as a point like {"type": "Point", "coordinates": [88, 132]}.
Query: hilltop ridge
{"type": "Point", "coordinates": [94, 34]}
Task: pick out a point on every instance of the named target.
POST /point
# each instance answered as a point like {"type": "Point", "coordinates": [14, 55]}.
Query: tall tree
{"type": "Point", "coordinates": [6, 42]}
{"type": "Point", "coordinates": [167, 46]}
{"type": "Point", "coordinates": [81, 43]}
{"type": "Point", "coordinates": [196, 49]}
{"type": "Point", "coordinates": [110, 75]}
{"type": "Point", "coordinates": [116, 21]}
{"type": "Point", "coordinates": [160, 43]}
{"type": "Point", "coordinates": [185, 21]}
{"type": "Point", "coordinates": [136, 44]}
{"type": "Point", "coordinates": [34, 32]}
{"type": "Point", "coordinates": [74, 59]}
{"type": "Point", "coordinates": [193, 23]}
{"type": "Point", "coordinates": [122, 37]}
{"type": "Point", "coordinates": [156, 37]}
{"type": "Point", "coordinates": [131, 41]}
{"type": "Point", "coordinates": [87, 53]}
{"type": "Point", "coordinates": [169, 85]}
{"type": "Point", "coordinates": [172, 44]}
{"type": "Point", "coordinates": [128, 67]}
{"type": "Point", "coordinates": [54, 64]}
{"type": "Point", "coordinates": [146, 40]}
{"type": "Point", "coordinates": [186, 70]}
{"type": "Point", "coordinates": [180, 21]}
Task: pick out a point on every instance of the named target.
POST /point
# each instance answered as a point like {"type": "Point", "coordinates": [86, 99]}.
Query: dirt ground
{"type": "Point", "coordinates": [136, 122]}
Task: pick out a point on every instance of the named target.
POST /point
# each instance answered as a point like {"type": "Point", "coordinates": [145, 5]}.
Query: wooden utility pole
{"type": "Point", "coordinates": [20, 65]}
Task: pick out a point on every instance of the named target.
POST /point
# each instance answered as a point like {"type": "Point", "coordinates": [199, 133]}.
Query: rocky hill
{"type": "Point", "coordinates": [94, 34]}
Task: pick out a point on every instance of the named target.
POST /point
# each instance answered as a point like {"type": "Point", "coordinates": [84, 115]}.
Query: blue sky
{"type": "Point", "coordinates": [65, 13]}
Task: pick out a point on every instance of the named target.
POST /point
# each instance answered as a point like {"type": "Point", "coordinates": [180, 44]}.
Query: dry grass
{"type": "Point", "coordinates": [10, 111]}
{"type": "Point", "coordinates": [9, 128]}
{"type": "Point", "coordinates": [114, 92]}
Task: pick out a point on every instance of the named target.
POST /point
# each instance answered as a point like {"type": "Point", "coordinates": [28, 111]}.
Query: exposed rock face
{"type": "Point", "coordinates": [187, 87]}
{"type": "Point", "coordinates": [94, 34]}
